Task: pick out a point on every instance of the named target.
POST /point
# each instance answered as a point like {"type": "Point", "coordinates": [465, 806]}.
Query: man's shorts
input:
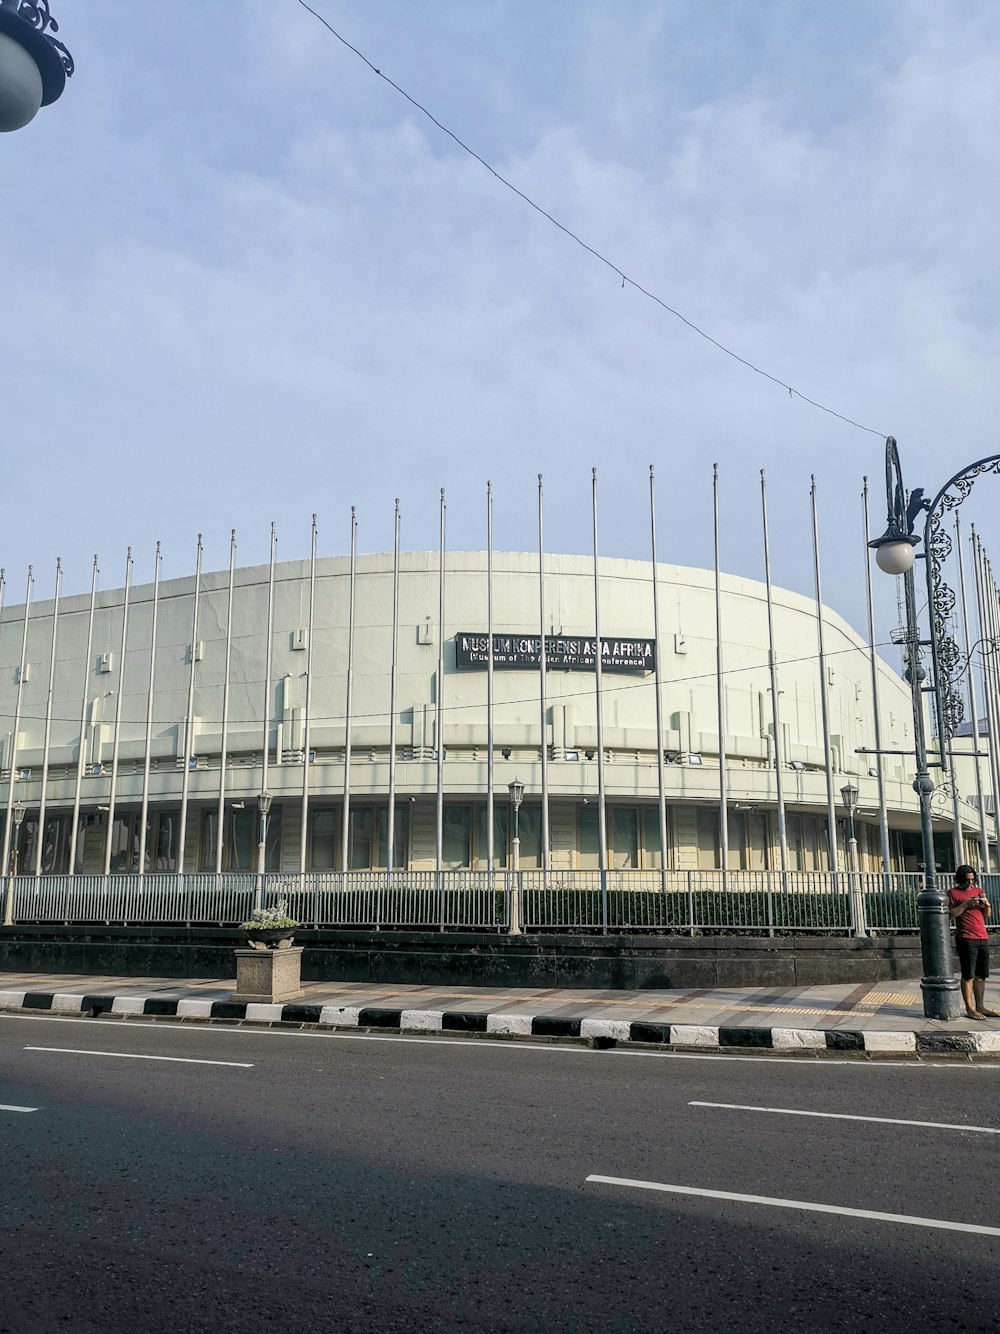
{"type": "Point", "coordinates": [974, 956]}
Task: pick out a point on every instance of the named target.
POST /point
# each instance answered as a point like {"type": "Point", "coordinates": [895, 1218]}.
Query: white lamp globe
{"type": "Point", "coordinates": [895, 557]}
{"type": "Point", "coordinates": [20, 85]}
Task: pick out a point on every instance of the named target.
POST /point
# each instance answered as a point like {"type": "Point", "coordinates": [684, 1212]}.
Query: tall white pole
{"type": "Point", "coordinates": [307, 730]}
{"type": "Point", "coordinates": [543, 704]}
{"type": "Point", "coordinates": [220, 817]}
{"type": "Point", "coordinates": [116, 742]}
{"type": "Point", "coordinates": [268, 650]}
{"type": "Point", "coordinates": [824, 693]}
{"type": "Point", "coordinates": [391, 814]}
{"type": "Point", "coordinates": [189, 717]}
{"type": "Point", "coordinates": [345, 830]}
{"type": "Point", "coordinates": [602, 814]}
{"type": "Point", "coordinates": [150, 692]}
{"type": "Point", "coordinates": [81, 759]}
{"type": "Point", "coordinates": [720, 688]}
{"type": "Point", "coordinates": [883, 814]}
{"type": "Point", "coordinates": [970, 684]}
{"type": "Point", "coordinates": [490, 756]}
{"type": "Point", "coordinates": [992, 677]}
{"type": "Point", "coordinates": [772, 663]}
{"type": "Point", "coordinates": [40, 840]}
{"type": "Point", "coordinates": [658, 684]}
{"type": "Point", "coordinates": [17, 725]}
{"type": "Point", "coordinates": [439, 701]}
{"type": "Point", "coordinates": [991, 721]}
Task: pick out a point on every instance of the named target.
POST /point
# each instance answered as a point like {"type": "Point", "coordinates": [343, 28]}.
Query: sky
{"type": "Point", "coordinates": [244, 280]}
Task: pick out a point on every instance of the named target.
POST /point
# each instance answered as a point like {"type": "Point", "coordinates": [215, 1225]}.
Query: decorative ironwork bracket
{"type": "Point", "coordinates": [38, 15]}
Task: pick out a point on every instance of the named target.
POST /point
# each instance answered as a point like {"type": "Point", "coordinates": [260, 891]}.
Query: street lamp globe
{"type": "Point", "coordinates": [850, 795]}
{"type": "Point", "coordinates": [34, 66]}
{"type": "Point", "coordinates": [897, 556]}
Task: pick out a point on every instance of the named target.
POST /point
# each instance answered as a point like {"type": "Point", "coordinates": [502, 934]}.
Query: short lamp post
{"type": "Point", "coordinates": [849, 794]}
{"type": "Point", "coordinates": [516, 790]}
{"type": "Point", "coordinates": [263, 809]}
{"type": "Point", "coordinates": [8, 900]}
{"type": "Point", "coordinates": [34, 66]}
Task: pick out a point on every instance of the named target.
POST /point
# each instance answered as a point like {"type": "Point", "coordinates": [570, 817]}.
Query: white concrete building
{"type": "Point", "coordinates": [74, 744]}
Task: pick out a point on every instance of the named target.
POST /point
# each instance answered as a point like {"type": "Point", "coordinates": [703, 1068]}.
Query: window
{"type": "Point", "coordinates": [241, 839]}
{"type": "Point", "coordinates": [55, 844]}
{"type": "Point", "coordinates": [626, 851]}
{"type": "Point", "coordinates": [456, 837]}
{"type": "Point", "coordinates": [325, 841]}
{"type": "Point", "coordinates": [501, 822]}
{"type": "Point", "coordinates": [364, 853]}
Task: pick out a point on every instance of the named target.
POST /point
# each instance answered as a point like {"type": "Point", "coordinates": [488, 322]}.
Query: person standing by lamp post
{"type": "Point", "coordinates": [970, 911]}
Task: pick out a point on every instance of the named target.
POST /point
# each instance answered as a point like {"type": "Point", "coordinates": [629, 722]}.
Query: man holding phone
{"type": "Point", "coordinates": [970, 909]}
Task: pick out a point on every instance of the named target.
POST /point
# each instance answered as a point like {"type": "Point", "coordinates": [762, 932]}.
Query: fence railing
{"type": "Point", "coordinates": [685, 902]}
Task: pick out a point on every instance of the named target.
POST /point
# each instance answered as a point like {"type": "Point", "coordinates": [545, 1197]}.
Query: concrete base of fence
{"type": "Point", "coordinates": [266, 976]}
{"type": "Point", "coordinates": [476, 959]}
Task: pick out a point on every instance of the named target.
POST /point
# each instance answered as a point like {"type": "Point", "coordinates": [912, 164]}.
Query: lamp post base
{"type": "Point", "coordinates": [942, 997]}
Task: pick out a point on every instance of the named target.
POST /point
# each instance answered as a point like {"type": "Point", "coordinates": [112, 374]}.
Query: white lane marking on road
{"type": "Point", "coordinates": [805, 1205]}
{"type": "Point", "coordinates": [138, 1056]}
{"type": "Point", "coordinates": [845, 1116]}
{"type": "Point", "coordinates": [160, 1025]}
{"type": "Point", "coordinates": [4, 1108]}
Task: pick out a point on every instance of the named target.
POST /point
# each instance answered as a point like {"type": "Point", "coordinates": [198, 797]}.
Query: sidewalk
{"type": "Point", "coordinates": [880, 1018]}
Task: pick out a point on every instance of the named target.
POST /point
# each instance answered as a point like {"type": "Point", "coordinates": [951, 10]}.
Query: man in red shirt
{"type": "Point", "coordinates": [970, 908]}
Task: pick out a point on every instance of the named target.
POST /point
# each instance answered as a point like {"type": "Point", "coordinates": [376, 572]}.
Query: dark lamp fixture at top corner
{"type": "Point", "coordinates": [516, 789]}
{"type": "Point", "coordinates": [34, 66]}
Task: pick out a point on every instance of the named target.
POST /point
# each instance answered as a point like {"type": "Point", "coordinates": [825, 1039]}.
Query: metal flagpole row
{"type": "Point", "coordinates": [11, 755]}
{"type": "Point", "coordinates": [883, 814]}
{"type": "Point", "coordinates": [40, 840]}
{"type": "Point", "coordinates": [144, 810]}
{"type": "Point", "coordinates": [109, 832]}
{"type": "Point", "coordinates": [602, 827]}
{"type": "Point", "coordinates": [772, 662]}
{"type": "Point", "coordinates": [220, 818]}
{"type": "Point", "coordinates": [81, 758]}
{"type": "Point", "coordinates": [970, 691]}
{"type": "Point", "coordinates": [824, 695]}
{"type": "Point", "coordinates": [658, 685]}
{"type": "Point", "coordinates": [542, 684]}
{"type": "Point", "coordinates": [720, 690]}
{"type": "Point", "coordinates": [345, 828]}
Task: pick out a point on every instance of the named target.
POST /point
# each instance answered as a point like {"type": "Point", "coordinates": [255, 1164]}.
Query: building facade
{"type": "Point", "coordinates": [139, 726]}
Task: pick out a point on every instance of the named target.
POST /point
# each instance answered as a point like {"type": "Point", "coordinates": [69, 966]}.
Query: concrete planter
{"type": "Point", "coordinates": [265, 975]}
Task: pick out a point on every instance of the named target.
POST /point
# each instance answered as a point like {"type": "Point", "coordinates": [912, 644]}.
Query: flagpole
{"type": "Point", "coordinates": [490, 846]}
{"type": "Point", "coordinates": [824, 698]}
{"type": "Point", "coordinates": [116, 743]}
{"type": "Point", "coordinates": [307, 728]}
{"type": "Point", "coordinates": [602, 831]}
{"type": "Point", "coordinates": [658, 685]}
{"type": "Point", "coordinates": [82, 755]}
{"type": "Point", "coordinates": [17, 726]}
{"type": "Point", "coordinates": [439, 710]}
{"type": "Point", "coordinates": [883, 814]}
{"type": "Point", "coordinates": [720, 693]}
{"type": "Point", "coordinates": [984, 848]}
{"type": "Point", "coordinates": [992, 679]}
{"type": "Point", "coordinates": [543, 683]}
{"type": "Point", "coordinates": [391, 815]}
{"type": "Point", "coordinates": [144, 813]}
{"type": "Point", "coordinates": [189, 718]}
{"type": "Point", "coordinates": [772, 662]}
{"type": "Point", "coordinates": [39, 841]}
{"type": "Point", "coordinates": [224, 743]}
{"type": "Point", "coordinates": [345, 832]}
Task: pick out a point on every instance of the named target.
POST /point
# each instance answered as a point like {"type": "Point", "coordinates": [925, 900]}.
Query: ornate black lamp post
{"type": "Point", "coordinates": [895, 553]}
{"type": "Point", "coordinates": [516, 789]}
{"type": "Point", "coordinates": [34, 66]}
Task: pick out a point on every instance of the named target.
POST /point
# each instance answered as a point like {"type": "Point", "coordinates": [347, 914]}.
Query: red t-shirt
{"type": "Point", "coordinates": [972, 923]}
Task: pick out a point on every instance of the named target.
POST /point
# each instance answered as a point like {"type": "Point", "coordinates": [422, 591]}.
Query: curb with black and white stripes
{"type": "Point", "coordinates": [602, 1032]}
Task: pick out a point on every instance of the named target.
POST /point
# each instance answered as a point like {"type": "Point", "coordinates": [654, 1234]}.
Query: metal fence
{"type": "Point", "coordinates": [682, 902]}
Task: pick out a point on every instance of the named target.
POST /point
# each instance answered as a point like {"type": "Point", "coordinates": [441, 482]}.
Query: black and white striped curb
{"type": "Point", "coordinates": [603, 1032]}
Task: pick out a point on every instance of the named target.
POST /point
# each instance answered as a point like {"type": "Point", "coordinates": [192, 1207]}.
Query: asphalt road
{"type": "Point", "coordinates": [295, 1181]}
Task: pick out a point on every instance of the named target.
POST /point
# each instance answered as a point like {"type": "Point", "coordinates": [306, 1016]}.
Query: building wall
{"type": "Point", "coordinates": [110, 693]}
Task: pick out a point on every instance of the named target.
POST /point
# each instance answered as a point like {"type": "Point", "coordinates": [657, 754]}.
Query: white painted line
{"type": "Point", "coordinates": [844, 1116]}
{"type": "Point", "coordinates": [806, 1205]}
{"type": "Point", "coordinates": [5, 1108]}
{"type": "Point", "coordinates": [517, 1025]}
{"type": "Point", "coordinates": [134, 1056]}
